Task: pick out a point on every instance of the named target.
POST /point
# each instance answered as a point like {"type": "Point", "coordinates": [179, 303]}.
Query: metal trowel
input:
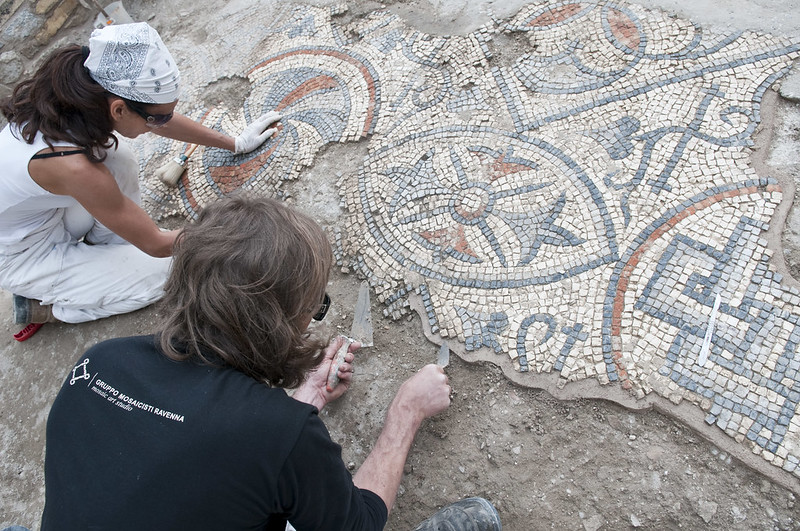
{"type": "Point", "coordinates": [443, 359]}
{"type": "Point", "coordinates": [360, 331]}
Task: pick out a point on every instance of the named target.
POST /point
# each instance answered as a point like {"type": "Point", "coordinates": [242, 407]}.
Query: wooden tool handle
{"type": "Point", "coordinates": [191, 149]}
{"type": "Point", "coordinates": [338, 359]}
{"type": "Point", "coordinates": [98, 6]}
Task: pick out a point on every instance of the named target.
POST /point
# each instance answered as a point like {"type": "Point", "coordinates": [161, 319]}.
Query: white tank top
{"type": "Point", "coordinates": [28, 212]}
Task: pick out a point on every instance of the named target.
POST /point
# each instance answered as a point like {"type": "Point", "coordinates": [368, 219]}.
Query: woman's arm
{"type": "Point", "coordinates": [187, 130]}
{"type": "Point", "coordinates": [93, 186]}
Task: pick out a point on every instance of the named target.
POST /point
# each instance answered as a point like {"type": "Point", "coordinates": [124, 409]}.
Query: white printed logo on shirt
{"type": "Point", "coordinates": [83, 376]}
{"type": "Point", "coordinates": [115, 396]}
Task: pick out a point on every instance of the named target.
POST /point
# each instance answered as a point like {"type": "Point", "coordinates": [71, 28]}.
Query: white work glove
{"type": "Point", "coordinates": [256, 133]}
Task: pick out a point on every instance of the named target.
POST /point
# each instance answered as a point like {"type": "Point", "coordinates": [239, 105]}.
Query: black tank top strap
{"type": "Point", "coordinates": [58, 154]}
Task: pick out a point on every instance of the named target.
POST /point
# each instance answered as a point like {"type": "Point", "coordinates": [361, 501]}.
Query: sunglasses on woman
{"type": "Point", "coordinates": [152, 120]}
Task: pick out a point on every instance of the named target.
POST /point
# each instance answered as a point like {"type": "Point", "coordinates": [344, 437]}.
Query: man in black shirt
{"type": "Point", "coordinates": [192, 429]}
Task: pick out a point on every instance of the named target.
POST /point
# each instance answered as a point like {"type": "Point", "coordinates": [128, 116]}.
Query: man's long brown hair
{"type": "Point", "coordinates": [245, 278]}
{"type": "Point", "coordinates": [64, 103]}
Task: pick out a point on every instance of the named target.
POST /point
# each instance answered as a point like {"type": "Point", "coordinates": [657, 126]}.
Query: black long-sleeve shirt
{"type": "Point", "coordinates": [138, 441]}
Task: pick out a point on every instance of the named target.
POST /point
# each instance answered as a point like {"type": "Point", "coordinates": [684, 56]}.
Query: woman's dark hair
{"type": "Point", "coordinates": [64, 103]}
{"type": "Point", "coordinates": [245, 279]}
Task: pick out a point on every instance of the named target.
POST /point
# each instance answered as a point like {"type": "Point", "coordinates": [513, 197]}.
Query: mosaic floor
{"type": "Point", "coordinates": [569, 189]}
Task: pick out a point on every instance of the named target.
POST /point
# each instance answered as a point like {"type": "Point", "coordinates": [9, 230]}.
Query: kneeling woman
{"type": "Point", "coordinates": [74, 243]}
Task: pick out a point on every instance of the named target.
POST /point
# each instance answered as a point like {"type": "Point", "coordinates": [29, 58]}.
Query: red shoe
{"type": "Point", "coordinates": [28, 331]}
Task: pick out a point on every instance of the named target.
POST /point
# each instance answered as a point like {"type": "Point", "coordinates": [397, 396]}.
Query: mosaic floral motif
{"type": "Point", "coordinates": [474, 208]}
{"type": "Point", "coordinates": [581, 204]}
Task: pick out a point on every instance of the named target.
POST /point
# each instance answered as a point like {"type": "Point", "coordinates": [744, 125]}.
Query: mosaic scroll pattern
{"type": "Point", "coordinates": [568, 189]}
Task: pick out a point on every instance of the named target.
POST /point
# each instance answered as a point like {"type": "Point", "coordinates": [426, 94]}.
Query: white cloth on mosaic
{"type": "Point", "coordinates": [131, 61]}
{"type": "Point", "coordinates": [42, 257]}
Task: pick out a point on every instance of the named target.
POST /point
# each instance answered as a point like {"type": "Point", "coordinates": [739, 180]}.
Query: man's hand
{"type": "Point", "coordinates": [425, 394]}
{"type": "Point", "coordinates": [314, 390]}
{"type": "Point", "coordinates": [256, 133]}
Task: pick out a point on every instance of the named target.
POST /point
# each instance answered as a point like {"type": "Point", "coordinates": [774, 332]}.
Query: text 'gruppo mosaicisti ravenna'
{"type": "Point", "coordinates": [127, 403]}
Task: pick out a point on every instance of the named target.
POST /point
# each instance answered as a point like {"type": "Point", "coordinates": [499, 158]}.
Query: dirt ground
{"type": "Point", "coordinates": [544, 463]}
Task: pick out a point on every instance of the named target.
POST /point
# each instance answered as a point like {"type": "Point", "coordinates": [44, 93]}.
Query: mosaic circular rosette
{"type": "Point", "coordinates": [324, 95]}
{"type": "Point", "coordinates": [480, 212]}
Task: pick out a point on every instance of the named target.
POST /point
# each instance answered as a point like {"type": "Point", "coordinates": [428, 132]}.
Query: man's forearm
{"type": "Point", "coordinates": [383, 469]}
{"type": "Point", "coordinates": [421, 396]}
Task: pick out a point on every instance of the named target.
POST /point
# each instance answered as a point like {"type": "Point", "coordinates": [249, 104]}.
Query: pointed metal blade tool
{"type": "Point", "coordinates": [443, 359]}
{"type": "Point", "coordinates": [360, 331]}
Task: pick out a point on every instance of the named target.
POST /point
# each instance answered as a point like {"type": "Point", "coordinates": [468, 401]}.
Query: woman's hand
{"type": "Point", "coordinates": [256, 133]}
{"type": "Point", "coordinates": [314, 390]}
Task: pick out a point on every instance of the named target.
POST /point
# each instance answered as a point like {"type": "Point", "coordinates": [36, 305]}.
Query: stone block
{"type": "Point", "coordinates": [8, 8]}
{"type": "Point", "coordinates": [56, 21]}
{"type": "Point", "coordinates": [11, 67]}
{"type": "Point", "coordinates": [20, 26]}
{"type": "Point", "coordinates": [45, 6]}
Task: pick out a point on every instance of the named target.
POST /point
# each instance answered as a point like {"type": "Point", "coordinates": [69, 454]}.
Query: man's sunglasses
{"type": "Point", "coordinates": [326, 304]}
{"type": "Point", "coordinates": [152, 120]}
